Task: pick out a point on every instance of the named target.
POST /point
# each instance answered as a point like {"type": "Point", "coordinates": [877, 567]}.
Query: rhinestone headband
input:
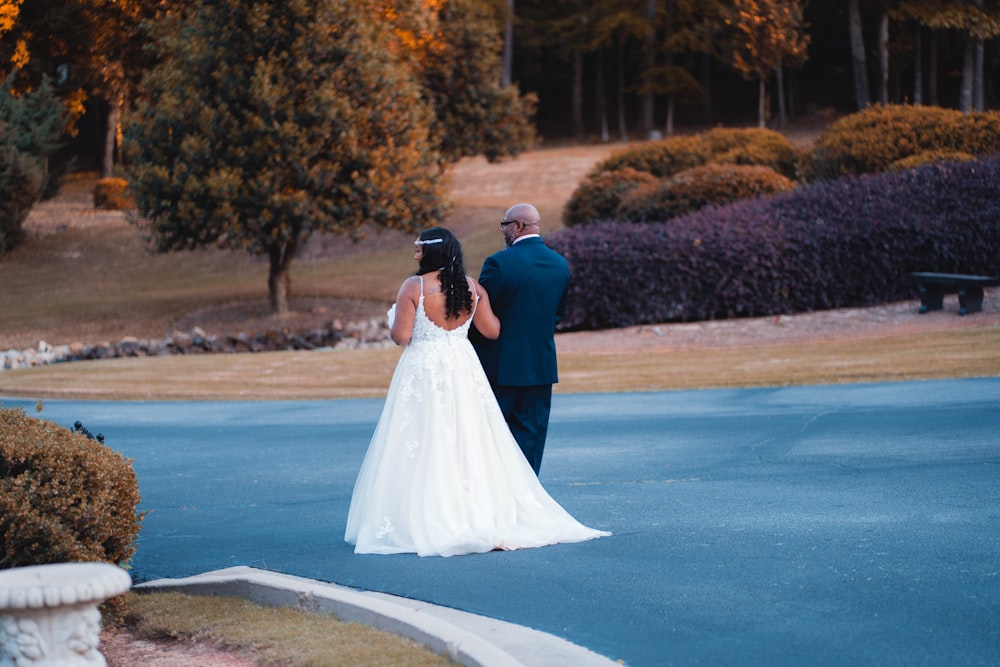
{"type": "Point", "coordinates": [428, 242]}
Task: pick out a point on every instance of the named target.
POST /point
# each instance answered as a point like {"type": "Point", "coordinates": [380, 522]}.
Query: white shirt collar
{"type": "Point", "coordinates": [526, 236]}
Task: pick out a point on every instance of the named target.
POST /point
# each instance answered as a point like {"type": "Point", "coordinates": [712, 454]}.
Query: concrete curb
{"type": "Point", "coordinates": [468, 639]}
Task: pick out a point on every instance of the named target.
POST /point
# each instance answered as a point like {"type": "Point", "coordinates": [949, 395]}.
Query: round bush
{"type": "Point", "coordinates": [693, 189]}
{"type": "Point", "coordinates": [598, 197]}
{"type": "Point", "coordinates": [745, 146]}
{"type": "Point", "coordinates": [63, 496]}
{"type": "Point", "coordinates": [112, 194]}
{"type": "Point", "coordinates": [929, 157]}
{"type": "Point", "coordinates": [660, 158]}
{"type": "Point", "coordinates": [751, 146]}
{"type": "Point", "coordinates": [870, 141]}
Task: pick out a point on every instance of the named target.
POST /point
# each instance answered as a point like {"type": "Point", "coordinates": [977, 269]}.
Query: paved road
{"type": "Point", "coordinates": [841, 525]}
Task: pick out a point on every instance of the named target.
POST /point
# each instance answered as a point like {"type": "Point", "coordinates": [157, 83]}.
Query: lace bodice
{"type": "Point", "coordinates": [426, 331]}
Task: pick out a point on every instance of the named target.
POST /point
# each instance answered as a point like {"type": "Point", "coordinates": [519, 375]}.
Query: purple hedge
{"type": "Point", "coordinates": [843, 243]}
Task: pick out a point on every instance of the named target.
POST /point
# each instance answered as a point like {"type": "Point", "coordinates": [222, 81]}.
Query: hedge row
{"type": "Point", "coordinates": [672, 155]}
{"type": "Point", "coordinates": [678, 175]}
{"type": "Point", "coordinates": [844, 243]}
{"type": "Point", "coordinates": [878, 139]}
{"type": "Point", "coordinates": [871, 141]}
{"type": "Point", "coordinates": [695, 188]}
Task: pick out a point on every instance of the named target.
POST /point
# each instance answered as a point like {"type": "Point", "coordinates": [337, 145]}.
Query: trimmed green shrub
{"type": "Point", "coordinates": [21, 182]}
{"type": "Point", "coordinates": [31, 127]}
{"type": "Point", "coordinates": [112, 194]}
{"type": "Point", "coordinates": [669, 157]}
{"type": "Point", "coordinates": [63, 496]}
{"type": "Point", "coordinates": [693, 189]}
{"type": "Point", "coordinates": [749, 146]}
{"type": "Point", "coordinates": [871, 141]}
{"type": "Point", "coordinates": [929, 157]}
{"type": "Point", "coordinates": [598, 197]}
{"type": "Point", "coordinates": [660, 158]}
{"type": "Point", "coordinates": [843, 243]}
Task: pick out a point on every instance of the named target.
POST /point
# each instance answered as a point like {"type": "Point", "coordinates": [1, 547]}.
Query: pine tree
{"type": "Point", "coordinates": [31, 130]}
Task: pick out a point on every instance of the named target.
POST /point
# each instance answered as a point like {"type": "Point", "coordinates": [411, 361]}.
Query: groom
{"type": "Point", "coordinates": [527, 285]}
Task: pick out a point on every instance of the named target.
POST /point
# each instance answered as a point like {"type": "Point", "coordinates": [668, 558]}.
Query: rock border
{"type": "Point", "coordinates": [337, 336]}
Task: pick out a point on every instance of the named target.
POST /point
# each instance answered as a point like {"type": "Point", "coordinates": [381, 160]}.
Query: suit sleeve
{"type": "Point", "coordinates": [490, 278]}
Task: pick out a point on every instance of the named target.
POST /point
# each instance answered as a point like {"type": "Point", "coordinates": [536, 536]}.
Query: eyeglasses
{"type": "Point", "coordinates": [504, 223]}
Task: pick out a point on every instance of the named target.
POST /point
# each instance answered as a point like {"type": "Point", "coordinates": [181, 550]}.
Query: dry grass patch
{"type": "Point", "coordinates": [972, 352]}
{"type": "Point", "coordinates": [966, 352]}
{"type": "Point", "coordinates": [272, 636]}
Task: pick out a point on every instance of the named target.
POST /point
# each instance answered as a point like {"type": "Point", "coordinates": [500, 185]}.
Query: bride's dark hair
{"type": "Point", "coordinates": [446, 255]}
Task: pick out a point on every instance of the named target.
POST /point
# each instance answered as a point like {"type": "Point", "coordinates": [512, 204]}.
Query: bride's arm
{"type": "Point", "coordinates": [406, 310]}
{"type": "Point", "coordinates": [485, 319]}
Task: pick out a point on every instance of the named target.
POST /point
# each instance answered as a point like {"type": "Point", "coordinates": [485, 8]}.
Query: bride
{"type": "Point", "coordinates": [443, 475]}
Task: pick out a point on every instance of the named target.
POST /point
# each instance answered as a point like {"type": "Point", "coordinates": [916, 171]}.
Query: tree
{"type": "Point", "coordinates": [454, 48]}
{"type": "Point", "coordinates": [87, 44]}
{"type": "Point", "coordinates": [769, 34]}
{"type": "Point", "coordinates": [571, 21]}
{"type": "Point", "coordinates": [688, 28]}
{"type": "Point", "coordinates": [617, 23]}
{"type": "Point", "coordinates": [858, 61]}
{"type": "Point", "coordinates": [977, 23]}
{"type": "Point", "coordinates": [31, 130]}
{"type": "Point", "coordinates": [266, 121]}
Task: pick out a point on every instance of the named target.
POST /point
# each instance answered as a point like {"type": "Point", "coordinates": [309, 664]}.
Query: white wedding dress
{"type": "Point", "coordinates": [443, 475]}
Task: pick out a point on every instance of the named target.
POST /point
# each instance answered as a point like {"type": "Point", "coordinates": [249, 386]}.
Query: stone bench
{"type": "Point", "coordinates": [933, 286]}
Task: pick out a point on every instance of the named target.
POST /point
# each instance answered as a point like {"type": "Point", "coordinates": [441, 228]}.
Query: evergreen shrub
{"type": "Point", "coordinates": [63, 496]}
{"type": "Point", "coordinates": [598, 197]}
{"type": "Point", "coordinates": [31, 128]}
{"type": "Point", "coordinates": [693, 189]}
{"type": "Point", "coordinates": [112, 194]}
{"type": "Point", "coordinates": [848, 242]}
{"type": "Point", "coordinates": [21, 183]}
{"type": "Point", "coordinates": [661, 158]}
{"type": "Point", "coordinates": [929, 157]}
{"type": "Point", "coordinates": [747, 146]}
{"type": "Point", "coordinates": [872, 140]}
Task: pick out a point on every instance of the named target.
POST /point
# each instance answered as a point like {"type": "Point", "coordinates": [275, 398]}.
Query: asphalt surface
{"type": "Point", "coordinates": [831, 525]}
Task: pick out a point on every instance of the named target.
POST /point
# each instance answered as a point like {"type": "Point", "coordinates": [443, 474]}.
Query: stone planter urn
{"type": "Point", "coordinates": [49, 616]}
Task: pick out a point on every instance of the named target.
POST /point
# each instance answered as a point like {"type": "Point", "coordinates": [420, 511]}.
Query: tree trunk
{"type": "Point", "coordinates": [706, 82]}
{"type": "Point", "coordinates": [918, 65]}
{"type": "Point", "coordinates": [883, 58]}
{"type": "Point", "coordinates": [968, 74]}
{"type": "Point", "coordinates": [577, 94]}
{"type": "Point", "coordinates": [601, 99]}
{"type": "Point", "coordinates": [780, 85]}
{"type": "Point", "coordinates": [978, 53]}
{"type": "Point", "coordinates": [761, 102]}
{"type": "Point", "coordinates": [508, 45]}
{"type": "Point", "coordinates": [668, 127]}
{"type": "Point", "coordinates": [110, 138]}
{"type": "Point", "coordinates": [279, 276]}
{"type": "Point", "coordinates": [979, 87]}
{"type": "Point", "coordinates": [932, 77]}
{"type": "Point", "coordinates": [858, 56]}
{"type": "Point", "coordinates": [622, 129]}
{"type": "Point", "coordinates": [649, 61]}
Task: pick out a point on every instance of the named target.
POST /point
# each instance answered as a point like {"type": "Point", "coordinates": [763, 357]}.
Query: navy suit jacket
{"type": "Point", "coordinates": [527, 284]}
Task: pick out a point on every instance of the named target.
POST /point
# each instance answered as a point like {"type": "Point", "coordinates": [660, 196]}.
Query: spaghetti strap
{"type": "Point", "coordinates": [475, 296]}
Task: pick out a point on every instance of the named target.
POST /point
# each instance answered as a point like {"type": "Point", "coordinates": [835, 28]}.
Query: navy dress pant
{"type": "Point", "coordinates": [526, 410]}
